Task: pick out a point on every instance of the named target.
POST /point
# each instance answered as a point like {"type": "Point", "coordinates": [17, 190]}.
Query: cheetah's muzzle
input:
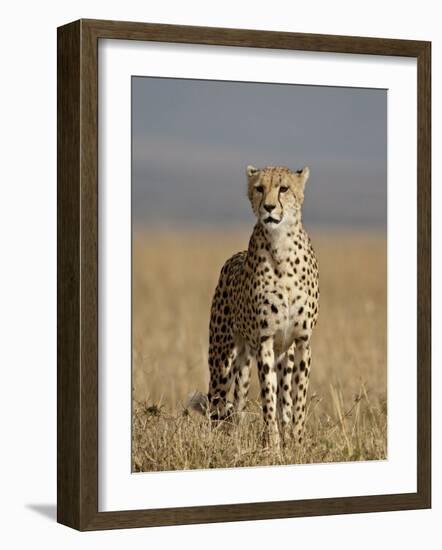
{"type": "Point", "coordinates": [271, 220]}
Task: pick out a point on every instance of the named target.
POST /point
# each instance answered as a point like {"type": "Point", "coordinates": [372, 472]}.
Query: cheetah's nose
{"type": "Point", "coordinates": [269, 207]}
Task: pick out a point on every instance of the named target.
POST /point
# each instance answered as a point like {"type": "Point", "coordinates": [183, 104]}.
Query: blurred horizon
{"type": "Point", "coordinates": [192, 140]}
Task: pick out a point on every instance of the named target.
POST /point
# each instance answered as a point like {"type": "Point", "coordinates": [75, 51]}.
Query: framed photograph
{"type": "Point", "coordinates": [243, 274]}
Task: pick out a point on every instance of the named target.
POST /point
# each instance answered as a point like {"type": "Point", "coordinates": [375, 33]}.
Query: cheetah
{"type": "Point", "coordinates": [265, 308]}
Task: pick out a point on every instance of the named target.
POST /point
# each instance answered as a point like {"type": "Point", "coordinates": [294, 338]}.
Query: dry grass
{"type": "Point", "coordinates": [174, 278]}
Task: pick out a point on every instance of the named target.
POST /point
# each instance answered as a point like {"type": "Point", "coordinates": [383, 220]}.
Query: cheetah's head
{"type": "Point", "coordinates": [276, 194]}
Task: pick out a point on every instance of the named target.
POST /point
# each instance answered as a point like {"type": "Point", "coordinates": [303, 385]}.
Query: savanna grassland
{"type": "Point", "coordinates": [174, 276]}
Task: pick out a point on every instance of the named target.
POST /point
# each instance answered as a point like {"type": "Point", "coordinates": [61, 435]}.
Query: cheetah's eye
{"type": "Point", "coordinates": [260, 188]}
{"type": "Point", "coordinates": [283, 189]}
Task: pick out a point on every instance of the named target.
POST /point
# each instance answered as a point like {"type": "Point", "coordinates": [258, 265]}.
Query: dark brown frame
{"type": "Point", "coordinates": [77, 223]}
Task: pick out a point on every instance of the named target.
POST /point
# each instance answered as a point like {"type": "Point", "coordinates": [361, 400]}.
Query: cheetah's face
{"type": "Point", "coordinates": [276, 194]}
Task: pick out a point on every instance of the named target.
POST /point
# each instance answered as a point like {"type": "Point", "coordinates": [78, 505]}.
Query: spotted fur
{"type": "Point", "coordinates": [265, 308]}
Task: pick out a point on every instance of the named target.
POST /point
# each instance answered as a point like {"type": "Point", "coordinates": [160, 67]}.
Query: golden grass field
{"type": "Point", "coordinates": [174, 276]}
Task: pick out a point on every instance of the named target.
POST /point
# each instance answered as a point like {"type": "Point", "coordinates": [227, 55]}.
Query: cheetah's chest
{"type": "Point", "coordinates": [287, 317]}
{"type": "Point", "coordinates": [278, 293]}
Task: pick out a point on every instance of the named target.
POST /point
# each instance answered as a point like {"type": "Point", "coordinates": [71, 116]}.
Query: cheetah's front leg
{"type": "Point", "coordinates": [268, 382]}
{"type": "Point", "coordinates": [301, 373]}
{"type": "Point", "coordinates": [242, 383]}
{"type": "Point", "coordinates": [285, 405]}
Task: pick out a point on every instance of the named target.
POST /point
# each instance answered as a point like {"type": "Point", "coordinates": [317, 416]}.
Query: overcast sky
{"type": "Point", "coordinates": [193, 139]}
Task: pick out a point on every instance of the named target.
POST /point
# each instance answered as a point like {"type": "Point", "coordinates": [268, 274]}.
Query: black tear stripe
{"type": "Point", "coordinates": [280, 204]}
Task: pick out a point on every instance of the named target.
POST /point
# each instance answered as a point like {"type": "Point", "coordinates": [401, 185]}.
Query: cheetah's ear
{"type": "Point", "coordinates": [303, 176]}
{"type": "Point", "coordinates": [252, 171]}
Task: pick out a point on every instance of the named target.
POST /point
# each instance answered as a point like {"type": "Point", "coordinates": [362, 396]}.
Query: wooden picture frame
{"type": "Point", "coordinates": [77, 462]}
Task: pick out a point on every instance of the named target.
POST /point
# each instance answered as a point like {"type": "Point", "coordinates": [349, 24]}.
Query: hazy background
{"type": "Point", "coordinates": [192, 140]}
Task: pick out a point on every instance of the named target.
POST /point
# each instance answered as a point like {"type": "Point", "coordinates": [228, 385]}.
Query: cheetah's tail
{"type": "Point", "coordinates": [198, 402]}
